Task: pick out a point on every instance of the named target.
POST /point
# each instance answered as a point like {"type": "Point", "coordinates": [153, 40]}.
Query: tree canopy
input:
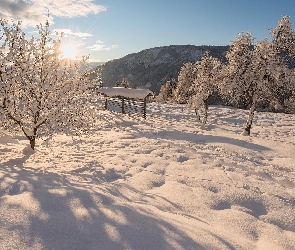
{"type": "Point", "coordinates": [41, 92]}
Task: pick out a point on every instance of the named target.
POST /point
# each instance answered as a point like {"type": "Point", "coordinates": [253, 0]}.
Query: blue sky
{"type": "Point", "coordinates": [109, 29]}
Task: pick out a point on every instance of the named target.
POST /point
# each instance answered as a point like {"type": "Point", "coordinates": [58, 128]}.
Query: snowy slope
{"type": "Point", "coordinates": [159, 183]}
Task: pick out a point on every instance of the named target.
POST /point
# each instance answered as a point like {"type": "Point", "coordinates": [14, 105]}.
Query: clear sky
{"type": "Point", "coordinates": [109, 29]}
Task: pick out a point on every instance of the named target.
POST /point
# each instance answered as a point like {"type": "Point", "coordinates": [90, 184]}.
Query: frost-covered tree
{"type": "Point", "coordinates": [186, 78]}
{"type": "Point", "coordinates": [205, 73]}
{"type": "Point", "coordinates": [283, 43]}
{"type": "Point", "coordinates": [284, 37]}
{"type": "Point", "coordinates": [167, 90]}
{"type": "Point", "coordinates": [95, 76]}
{"type": "Point", "coordinates": [240, 82]}
{"type": "Point", "coordinates": [256, 72]}
{"type": "Point", "coordinates": [272, 75]}
{"type": "Point", "coordinates": [40, 92]}
{"type": "Point", "coordinates": [124, 83]}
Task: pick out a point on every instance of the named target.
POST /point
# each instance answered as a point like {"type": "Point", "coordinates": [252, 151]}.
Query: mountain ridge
{"type": "Point", "coordinates": [151, 68]}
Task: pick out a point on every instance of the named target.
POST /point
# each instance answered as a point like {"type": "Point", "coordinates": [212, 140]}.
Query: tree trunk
{"type": "Point", "coordinates": [197, 114]}
{"type": "Point", "coordinates": [32, 142]}
{"type": "Point", "coordinates": [205, 112]}
{"type": "Point", "coordinates": [31, 138]}
{"type": "Point", "coordinates": [248, 124]}
{"type": "Point", "coordinates": [123, 105]}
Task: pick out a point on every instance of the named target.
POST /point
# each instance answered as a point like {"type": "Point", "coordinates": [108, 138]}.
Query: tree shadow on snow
{"type": "Point", "coordinates": [188, 136]}
{"type": "Point", "coordinates": [46, 211]}
{"type": "Point", "coordinates": [203, 139]}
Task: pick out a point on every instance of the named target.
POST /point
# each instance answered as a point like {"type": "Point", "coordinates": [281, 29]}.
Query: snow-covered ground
{"type": "Point", "coordinates": [159, 183]}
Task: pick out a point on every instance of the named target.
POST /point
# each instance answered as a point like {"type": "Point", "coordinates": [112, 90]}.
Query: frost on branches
{"type": "Point", "coordinates": [185, 80]}
{"type": "Point", "coordinates": [41, 93]}
{"type": "Point", "coordinates": [239, 83]}
{"type": "Point", "coordinates": [196, 83]}
{"type": "Point", "coordinates": [124, 83]}
{"type": "Point", "coordinates": [283, 42]}
{"type": "Point", "coordinates": [283, 36]}
{"type": "Point", "coordinates": [259, 72]}
{"type": "Point", "coordinates": [206, 72]}
{"type": "Point", "coordinates": [167, 91]}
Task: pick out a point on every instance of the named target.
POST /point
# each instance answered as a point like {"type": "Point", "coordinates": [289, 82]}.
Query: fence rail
{"type": "Point", "coordinates": [126, 105]}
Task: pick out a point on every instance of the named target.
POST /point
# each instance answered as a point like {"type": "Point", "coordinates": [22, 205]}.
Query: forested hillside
{"type": "Point", "coordinates": [151, 68]}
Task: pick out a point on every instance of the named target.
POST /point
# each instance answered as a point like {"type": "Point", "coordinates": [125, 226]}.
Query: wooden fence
{"type": "Point", "coordinates": [126, 101]}
{"type": "Point", "coordinates": [126, 105]}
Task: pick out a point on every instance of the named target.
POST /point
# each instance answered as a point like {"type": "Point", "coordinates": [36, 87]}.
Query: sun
{"type": "Point", "coordinates": [69, 51]}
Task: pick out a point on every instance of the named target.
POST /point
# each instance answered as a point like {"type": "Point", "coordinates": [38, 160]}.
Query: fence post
{"type": "Point", "coordinates": [106, 103]}
{"type": "Point", "coordinates": [123, 108]}
{"type": "Point", "coordinates": [144, 108]}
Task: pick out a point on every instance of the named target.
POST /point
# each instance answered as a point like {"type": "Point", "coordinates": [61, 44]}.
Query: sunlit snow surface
{"type": "Point", "coordinates": [159, 183]}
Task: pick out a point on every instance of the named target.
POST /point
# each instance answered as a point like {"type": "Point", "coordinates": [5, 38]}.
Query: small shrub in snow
{"type": "Point", "coordinates": [167, 91]}
{"type": "Point", "coordinates": [124, 83]}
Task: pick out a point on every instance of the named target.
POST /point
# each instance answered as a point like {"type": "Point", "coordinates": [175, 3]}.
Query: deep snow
{"type": "Point", "coordinates": [159, 183]}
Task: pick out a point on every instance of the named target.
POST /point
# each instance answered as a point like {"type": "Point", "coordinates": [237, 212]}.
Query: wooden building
{"type": "Point", "coordinates": [126, 100]}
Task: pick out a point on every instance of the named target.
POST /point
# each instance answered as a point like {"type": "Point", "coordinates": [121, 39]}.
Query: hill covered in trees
{"type": "Point", "coordinates": [151, 68]}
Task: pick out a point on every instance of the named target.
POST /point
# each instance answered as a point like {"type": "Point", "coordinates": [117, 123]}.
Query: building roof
{"type": "Point", "coordinates": [125, 92]}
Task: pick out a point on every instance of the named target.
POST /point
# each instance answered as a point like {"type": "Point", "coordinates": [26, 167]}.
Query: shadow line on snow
{"type": "Point", "coordinates": [203, 139]}
{"type": "Point", "coordinates": [58, 215]}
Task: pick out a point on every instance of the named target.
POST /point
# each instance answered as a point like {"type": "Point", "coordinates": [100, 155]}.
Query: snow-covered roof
{"type": "Point", "coordinates": [125, 92]}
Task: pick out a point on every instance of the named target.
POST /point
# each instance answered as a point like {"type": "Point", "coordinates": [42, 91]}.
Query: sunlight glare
{"type": "Point", "coordinates": [69, 51]}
